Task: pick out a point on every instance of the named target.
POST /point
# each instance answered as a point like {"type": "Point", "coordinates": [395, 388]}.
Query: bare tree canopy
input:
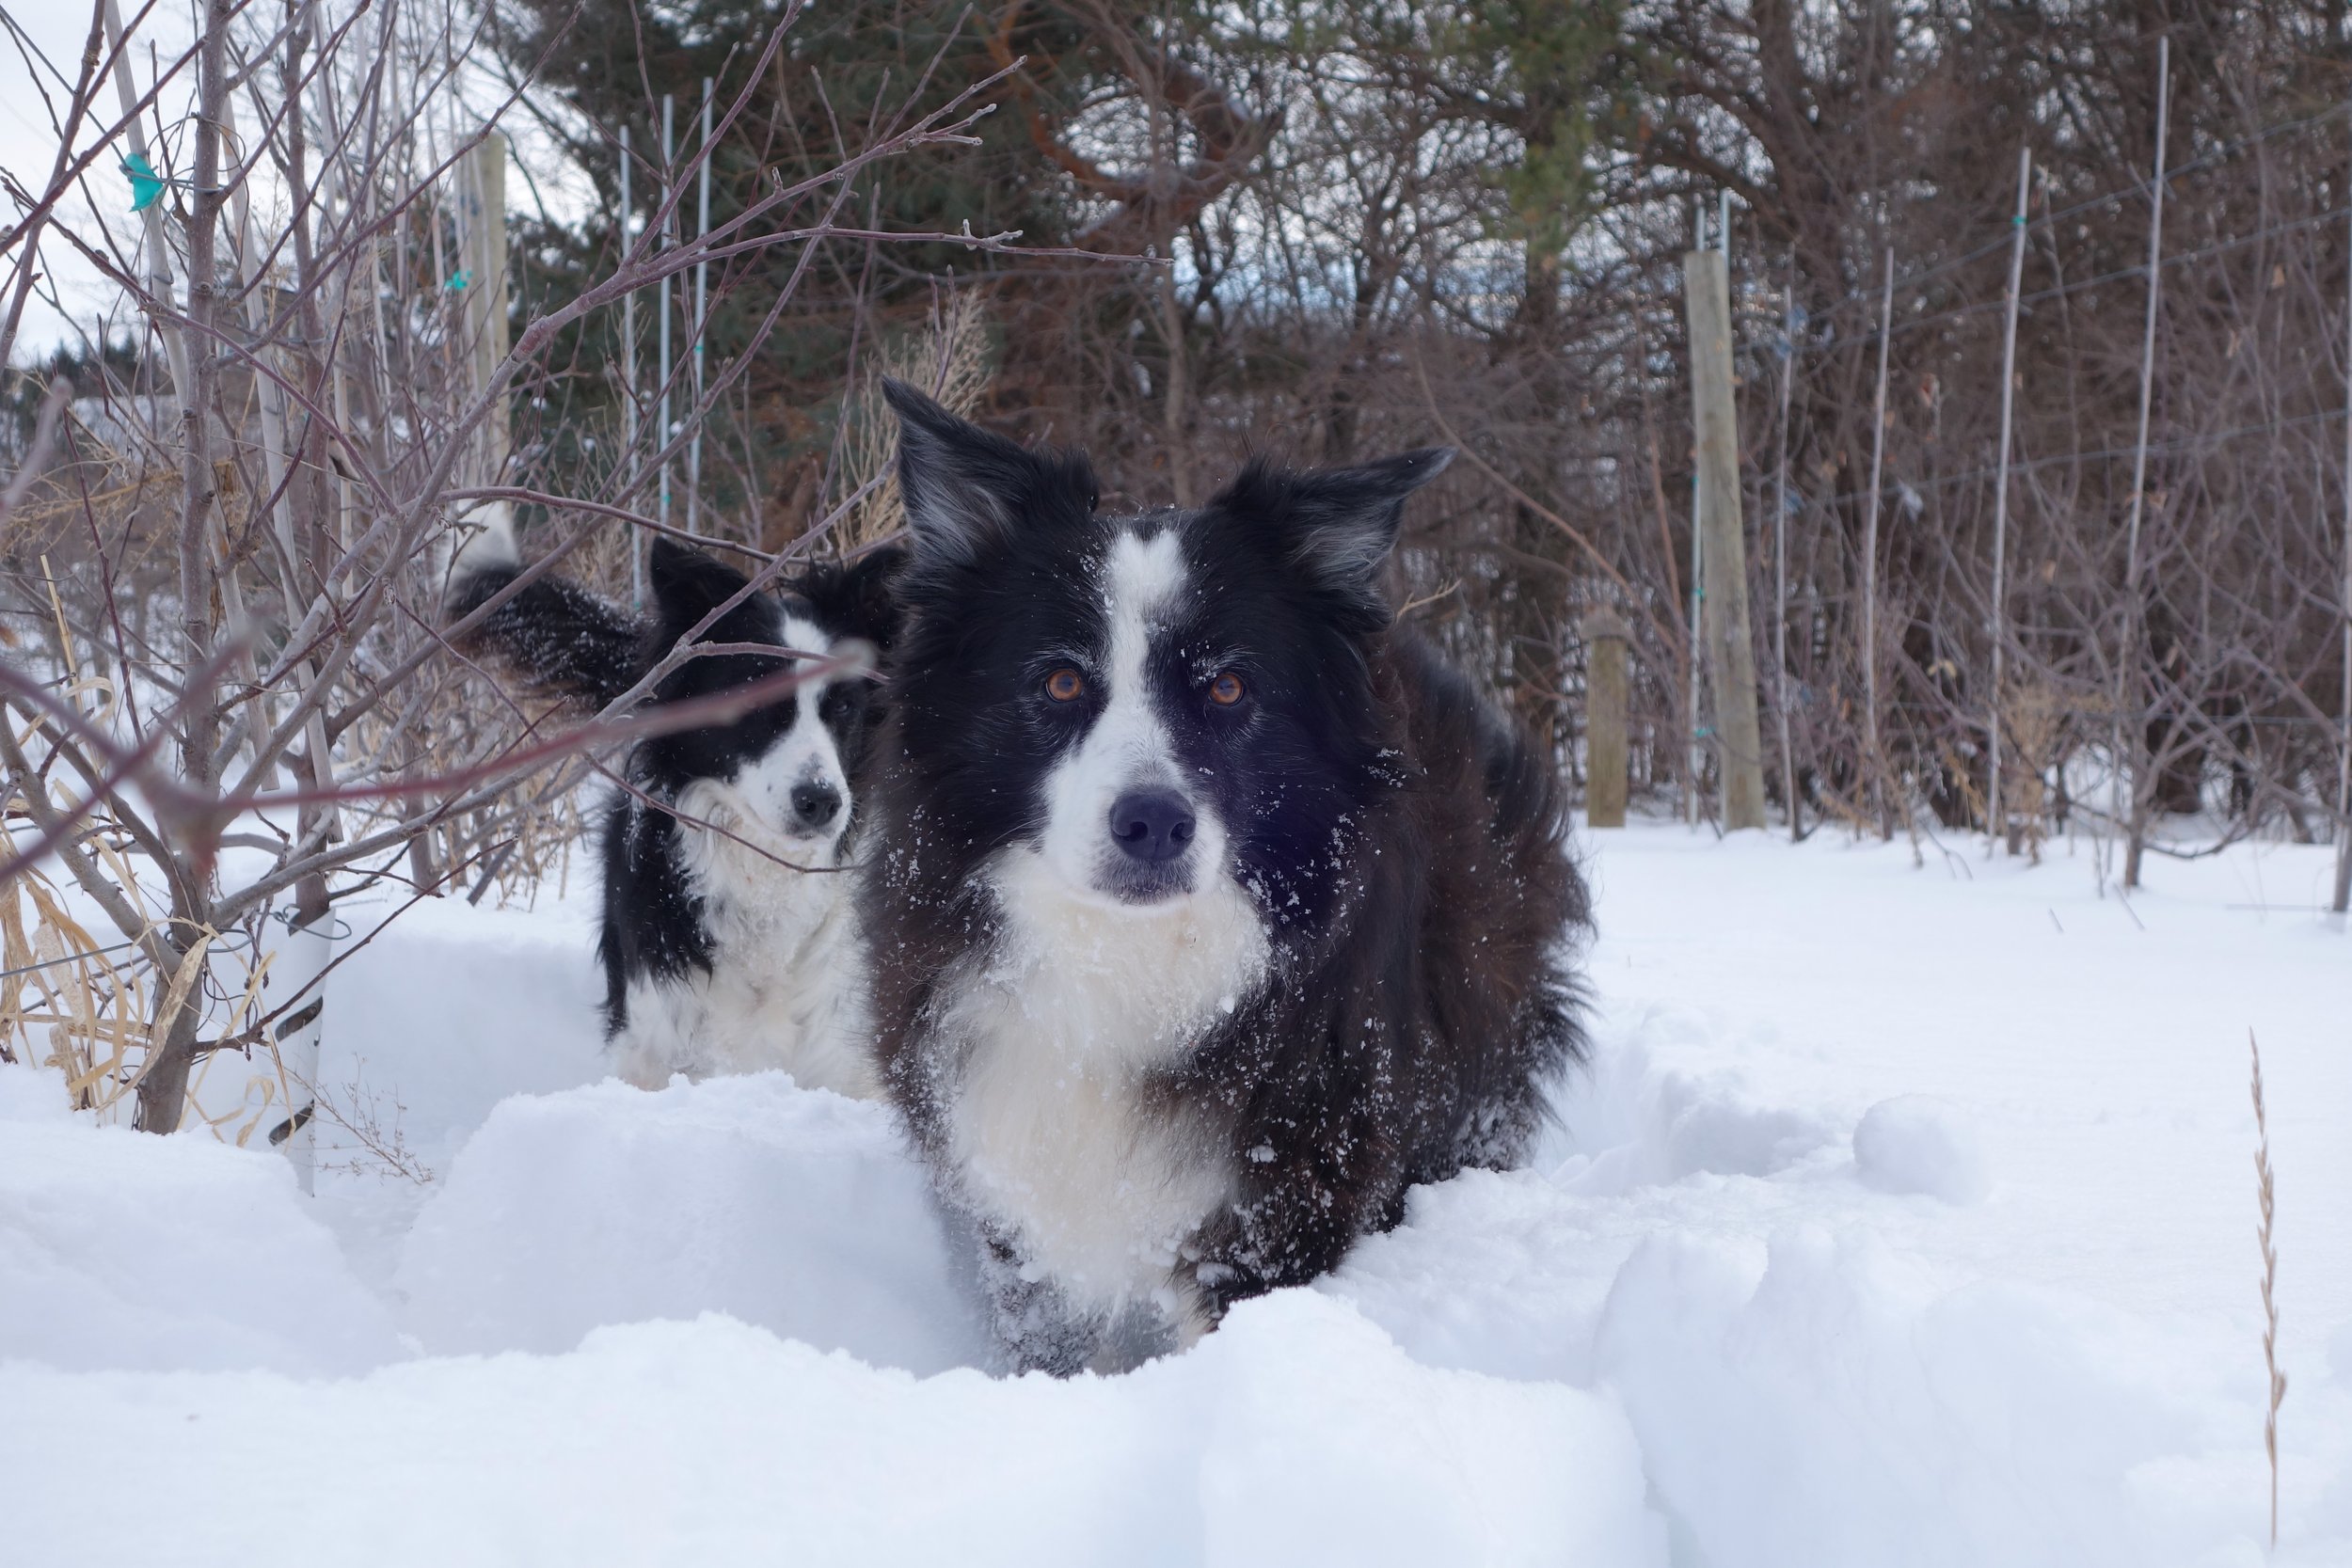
{"type": "Point", "coordinates": [1176, 234]}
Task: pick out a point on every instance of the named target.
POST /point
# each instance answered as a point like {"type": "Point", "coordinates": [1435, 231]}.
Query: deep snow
{"type": "Point", "coordinates": [1906, 1217]}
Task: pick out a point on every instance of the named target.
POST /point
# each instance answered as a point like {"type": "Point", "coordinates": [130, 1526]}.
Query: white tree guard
{"type": "Point", "coordinates": [301, 958]}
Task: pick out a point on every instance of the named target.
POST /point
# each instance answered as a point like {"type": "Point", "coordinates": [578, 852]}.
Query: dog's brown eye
{"type": "Point", "coordinates": [1065, 685]}
{"type": "Point", "coordinates": [1226, 689]}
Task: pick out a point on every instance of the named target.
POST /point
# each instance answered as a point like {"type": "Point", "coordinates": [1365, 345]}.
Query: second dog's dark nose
{"type": "Point", "coordinates": [814, 804]}
{"type": "Point", "coordinates": [1151, 825]}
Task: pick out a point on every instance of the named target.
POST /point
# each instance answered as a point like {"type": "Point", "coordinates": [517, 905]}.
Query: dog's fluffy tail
{"type": "Point", "coordinates": [551, 632]}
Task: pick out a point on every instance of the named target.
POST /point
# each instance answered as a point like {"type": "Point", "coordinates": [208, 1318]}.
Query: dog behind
{"type": "Point", "coordinates": [728, 939]}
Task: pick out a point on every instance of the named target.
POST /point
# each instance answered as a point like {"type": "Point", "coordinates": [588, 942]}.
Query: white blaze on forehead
{"type": "Point", "coordinates": [805, 752]}
{"type": "Point", "coordinates": [804, 636]}
{"type": "Point", "coordinates": [804, 749]}
{"type": "Point", "coordinates": [1142, 579]}
{"type": "Point", "coordinates": [759, 796]}
{"type": "Point", "coordinates": [1126, 747]}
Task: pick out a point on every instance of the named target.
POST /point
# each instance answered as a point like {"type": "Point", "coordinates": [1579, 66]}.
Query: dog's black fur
{"type": "Point", "coordinates": [1404, 843]}
{"type": "Point", "coordinates": [659, 930]}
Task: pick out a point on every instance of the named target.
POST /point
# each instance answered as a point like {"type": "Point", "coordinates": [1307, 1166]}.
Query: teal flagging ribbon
{"type": "Point", "coordinates": [146, 186]}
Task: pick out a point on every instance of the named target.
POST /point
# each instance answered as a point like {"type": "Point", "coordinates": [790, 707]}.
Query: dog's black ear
{"type": "Point", "coordinates": [1342, 522]}
{"type": "Point", "coordinates": [1348, 519]}
{"type": "Point", "coordinates": [688, 585]}
{"type": "Point", "coordinates": [964, 488]}
{"type": "Point", "coordinates": [857, 599]}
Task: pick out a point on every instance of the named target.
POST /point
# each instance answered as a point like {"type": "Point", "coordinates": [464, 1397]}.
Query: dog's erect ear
{"type": "Point", "coordinates": [1343, 522]}
{"type": "Point", "coordinates": [966, 487]}
{"type": "Point", "coordinates": [856, 600]}
{"type": "Point", "coordinates": [1348, 519]}
{"type": "Point", "coordinates": [688, 585]}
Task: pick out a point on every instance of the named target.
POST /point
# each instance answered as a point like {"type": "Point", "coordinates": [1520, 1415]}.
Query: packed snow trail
{"type": "Point", "coordinates": [1905, 1216]}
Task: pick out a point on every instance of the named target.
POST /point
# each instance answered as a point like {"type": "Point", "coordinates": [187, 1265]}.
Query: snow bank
{"type": "Point", "coordinates": [797, 1211]}
{"type": "Point", "coordinates": [1631, 1123]}
{"type": "Point", "coordinates": [1297, 1433]}
{"type": "Point", "coordinates": [449, 1008]}
{"type": "Point", "coordinates": [1755, 1305]}
{"type": "Point", "coordinates": [1916, 1143]}
{"type": "Point", "coordinates": [118, 1250]}
{"type": "Point", "coordinates": [1836, 1409]}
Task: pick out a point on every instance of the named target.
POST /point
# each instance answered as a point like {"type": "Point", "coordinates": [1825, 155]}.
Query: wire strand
{"type": "Point", "coordinates": [2221, 154]}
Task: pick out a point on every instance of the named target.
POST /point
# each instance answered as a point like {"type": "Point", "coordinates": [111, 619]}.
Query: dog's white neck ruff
{"type": "Point", "coordinates": [1048, 1123]}
{"type": "Point", "coordinates": [1055, 1031]}
{"type": "Point", "coordinates": [785, 987]}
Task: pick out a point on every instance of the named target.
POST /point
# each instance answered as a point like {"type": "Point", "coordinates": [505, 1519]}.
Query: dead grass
{"type": "Point", "coordinates": [949, 359]}
{"type": "Point", "coordinates": [92, 1010]}
{"type": "Point", "coordinates": [2263, 1193]}
{"type": "Point", "coordinates": [2033, 717]}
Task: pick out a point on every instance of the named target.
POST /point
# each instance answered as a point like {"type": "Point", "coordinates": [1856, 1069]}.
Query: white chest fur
{"type": "Point", "coordinates": [1048, 1128]}
{"type": "Point", "coordinates": [786, 986]}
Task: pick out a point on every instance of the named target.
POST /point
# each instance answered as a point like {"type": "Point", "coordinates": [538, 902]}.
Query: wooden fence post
{"type": "Point", "coordinates": [2342, 902]}
{"type": "Point", "coordinates": [1606, 637]}
{"type": "Point", "coordinates": [484, 294]}
{"type": "Point", "coordinates": [1876, 761]}
{"type": "Point", "coordinates": [1994, 825]}
{"type": "Point", "coordinates": [2131, 736]}
{"type": "Point", "coordinates": [1781, 680]}
{"type": "Point", "coordinates": [1731, 648]}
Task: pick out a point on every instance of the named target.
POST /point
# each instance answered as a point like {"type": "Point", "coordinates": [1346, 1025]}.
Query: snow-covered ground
{"type": "Point", "coordinates": [1906, 1217]}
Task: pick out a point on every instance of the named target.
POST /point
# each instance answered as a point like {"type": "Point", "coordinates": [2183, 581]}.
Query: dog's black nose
{"type": "Point", "coordinates": [1152, 825]}
{"type": "Point", "coordinates": [814, 804]}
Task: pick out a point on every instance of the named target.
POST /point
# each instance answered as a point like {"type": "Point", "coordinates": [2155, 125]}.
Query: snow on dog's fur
{"type": "Point", "coordinates": [1213, 910]}
{"type": "Point", "coordinates": [729, 937]}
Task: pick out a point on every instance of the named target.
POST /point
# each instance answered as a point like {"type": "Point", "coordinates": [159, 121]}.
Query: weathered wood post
{"type": "Point", "coordinates": [484, 295]}
{"type": "Point", "coordinates": [2131, 761]}
{"type": "Point", "coordinates": [1875, 758]}
{"type": "Point", "coordinates": [1995, 823]}
{"type": "Point", "coordinates": [1730, 647]}
{"type": "Point", "coordinates": [1606, 637]}
{"type": "Point", "coordinates": [2342, 902]}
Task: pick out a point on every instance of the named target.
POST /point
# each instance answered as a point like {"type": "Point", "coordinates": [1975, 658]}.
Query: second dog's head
{"type": "Point", "coordinates": [1136, 712]}
{"type": "Point", "coordinates": [784, 769]}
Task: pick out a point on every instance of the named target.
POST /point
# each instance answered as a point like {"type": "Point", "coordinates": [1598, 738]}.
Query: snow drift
{"type": "Point", "coordinates": [1828, 1264]}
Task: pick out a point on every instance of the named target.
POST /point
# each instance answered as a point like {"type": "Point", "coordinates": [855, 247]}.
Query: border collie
{"type": "Point", "coordinates": [1215, 910]}
{"type": "Point", "coordinates": [729, 938]}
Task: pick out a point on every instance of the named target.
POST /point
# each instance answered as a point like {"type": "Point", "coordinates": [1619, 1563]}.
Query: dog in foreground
{"type": "Point", "coordinates": [729, 939]}
{"type": "Point", "coordinates": [1209, 910]}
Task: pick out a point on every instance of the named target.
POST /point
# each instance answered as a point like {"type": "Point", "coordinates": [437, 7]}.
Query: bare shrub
{"type": "Point", "coordinates": [232, 705]}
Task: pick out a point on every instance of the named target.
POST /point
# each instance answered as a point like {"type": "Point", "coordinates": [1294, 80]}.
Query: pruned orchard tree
{"type": "Point", "coordinates": [230, 698]}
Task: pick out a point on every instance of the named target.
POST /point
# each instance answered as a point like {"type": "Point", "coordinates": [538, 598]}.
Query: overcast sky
{"type": "Point", "coordinates": [28, 146]}
{"type": "Point", "coordinates": [42, 41]}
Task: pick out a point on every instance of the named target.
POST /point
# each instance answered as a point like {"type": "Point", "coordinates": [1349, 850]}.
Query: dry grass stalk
{"type": "Point", "coordinates": [2033, 716]}
{"type": "Point", "coordinates": [1963, 779]}
{"type": "Point", "coordinates": [2270, 1279]}
{"type": "Point", "coordinates": [61, 980]}
{"type": "Point", "coordinates": [948, 358]}
{"type": "Point", "coordinates": [1853, 818]}
{"type": "Point", "coordinates": [91, 999]}
{"type": "Point", "coordinates": [92, 1005]}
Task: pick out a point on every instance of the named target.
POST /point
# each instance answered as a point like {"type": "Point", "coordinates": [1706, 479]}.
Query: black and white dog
{"type": "Point", "coordinates": [1213, 912]}
{"type": "Point", "coordinates": [729, 937]}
